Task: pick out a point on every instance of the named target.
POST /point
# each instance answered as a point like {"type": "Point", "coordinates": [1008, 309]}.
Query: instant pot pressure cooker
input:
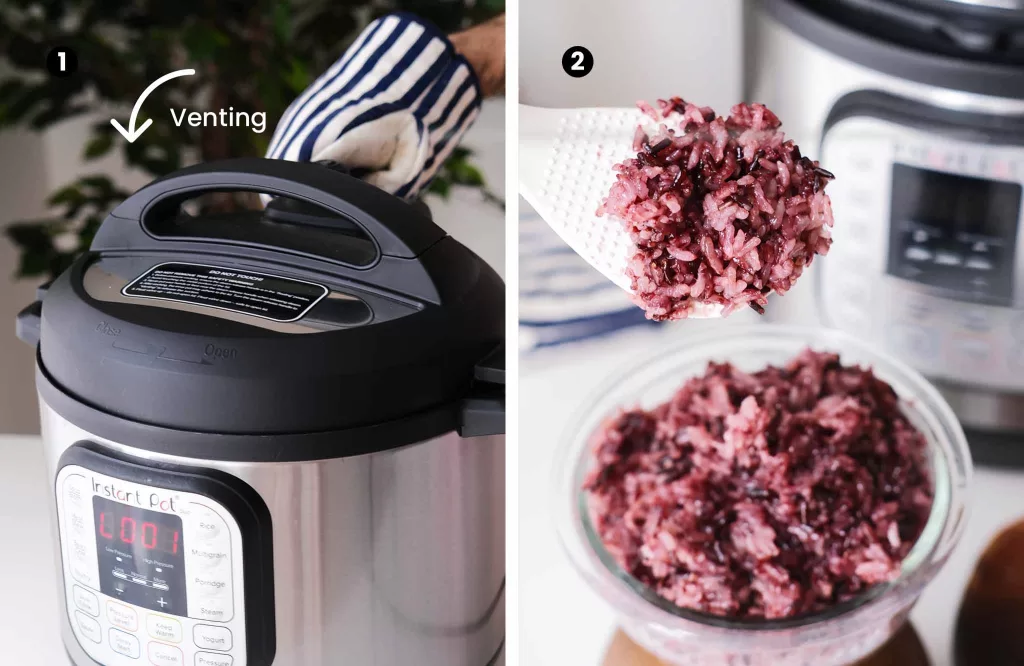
{"type": "Point", "coordinates": [917, 106]}
{"type": "Point", "coordinates": [275, 437]}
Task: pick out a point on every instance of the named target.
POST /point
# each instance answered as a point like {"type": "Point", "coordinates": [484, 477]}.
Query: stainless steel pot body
{"type": "Point", "coordinates": [386, 559]}
{"type": "Point", "coordinates": [972, 351]}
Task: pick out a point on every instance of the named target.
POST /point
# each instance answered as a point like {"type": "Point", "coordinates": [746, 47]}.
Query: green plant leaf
{"type": "Point", "coordinates": [464, 173]}
{"type": "Point", "coordinates": [98, 146]}
{"type": "Point", "coordinates": [441, 187]}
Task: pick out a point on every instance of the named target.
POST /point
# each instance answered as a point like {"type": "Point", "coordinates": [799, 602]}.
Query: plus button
{"type": "Point", "coordinates": [162, 602]}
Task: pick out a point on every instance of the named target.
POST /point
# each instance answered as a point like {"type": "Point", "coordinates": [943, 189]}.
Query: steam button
{"type": "Point", "coordinates": [123, 643]}
{"type": "Point", "coordinates": [217, 608]}
{"type": "Point", "coordinates": [88, 627]}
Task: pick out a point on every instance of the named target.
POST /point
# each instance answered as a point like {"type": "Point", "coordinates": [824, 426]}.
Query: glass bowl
{"type": "Point", "coordinates": [840, 635]}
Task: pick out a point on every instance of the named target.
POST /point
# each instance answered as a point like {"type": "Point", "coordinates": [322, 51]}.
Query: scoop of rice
{"type": "Point", "coordinates": [722, 210]}
{"type": "Point", "coordinates": [770, 495]}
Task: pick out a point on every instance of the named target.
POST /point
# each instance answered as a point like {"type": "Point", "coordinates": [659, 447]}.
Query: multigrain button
{"type": "Point", "coordinates": [89, 627]}
{"type": "Point", "coordinates": [122, 616]}
{"type": "Point", "coordinates": [211, 638]}
{"type": "Point", "coordinates": [123, 643]}
{"type": "Point", "coordinates": [209, 558]}
{"type": "Point", "coordinates": [211, 659]}
{"type": "Point", "coordinates": [163, 627]}
{"type": "Point", "coordinates": [161, 654]}
{"type": "Point", "coordinates": [86, 600]}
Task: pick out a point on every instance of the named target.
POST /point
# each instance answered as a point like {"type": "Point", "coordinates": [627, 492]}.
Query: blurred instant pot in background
{"type": "Point", "coordinates": [917, 106]}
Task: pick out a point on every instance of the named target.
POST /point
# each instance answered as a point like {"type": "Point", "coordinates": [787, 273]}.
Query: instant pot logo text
{"type": "Point", "coordinates": [136, 497]}
{"type": "Point", "coordinates": [106, 329]}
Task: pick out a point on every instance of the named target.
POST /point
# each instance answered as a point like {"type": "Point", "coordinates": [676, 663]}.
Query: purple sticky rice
{"type": "Point", "coordinates": [765, 495]}
{"type": "Point", "coordinates": [722, 210]}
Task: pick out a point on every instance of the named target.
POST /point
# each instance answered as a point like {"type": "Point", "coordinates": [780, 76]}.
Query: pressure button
{"type": "Point", "coordinates": [211, 659]}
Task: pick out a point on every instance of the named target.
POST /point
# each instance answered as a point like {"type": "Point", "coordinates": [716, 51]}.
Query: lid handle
{"type": "Point", "coordinates": [385, 218]}
{"type": "Point", "coordinates": [483, 410]}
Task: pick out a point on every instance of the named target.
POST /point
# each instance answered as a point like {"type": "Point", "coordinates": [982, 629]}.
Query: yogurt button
{"type": "Point", "coordinates": [212, 638]}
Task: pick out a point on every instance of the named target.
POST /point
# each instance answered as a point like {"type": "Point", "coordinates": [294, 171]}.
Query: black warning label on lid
{"type": "Point", "coordinates": [246, 292]}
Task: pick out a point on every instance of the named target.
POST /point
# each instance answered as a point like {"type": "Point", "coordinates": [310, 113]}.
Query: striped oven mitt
{"type": "Point", "coordinates": [562, 298]}
{"type": "Point", "coordinates": [390, 110]}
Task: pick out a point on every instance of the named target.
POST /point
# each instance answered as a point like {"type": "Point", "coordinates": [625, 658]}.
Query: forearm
{"type": "Point", "coordinates": [484, 47]}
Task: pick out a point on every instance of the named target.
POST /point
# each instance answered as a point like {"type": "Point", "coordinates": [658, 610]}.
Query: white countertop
{"type": "Point", "coordinates": [562, 622]}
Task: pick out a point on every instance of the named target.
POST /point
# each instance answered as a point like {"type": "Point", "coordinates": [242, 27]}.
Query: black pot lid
{"type": "Point", "coordinates": [339, 307]}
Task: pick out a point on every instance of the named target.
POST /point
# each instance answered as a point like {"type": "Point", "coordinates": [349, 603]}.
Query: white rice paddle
{"type": "Point", "coordinates": [565, 171]}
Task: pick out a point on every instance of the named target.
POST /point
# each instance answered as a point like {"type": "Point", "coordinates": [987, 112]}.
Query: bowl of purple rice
{"type": "Point", "coordinates": [762, 496]}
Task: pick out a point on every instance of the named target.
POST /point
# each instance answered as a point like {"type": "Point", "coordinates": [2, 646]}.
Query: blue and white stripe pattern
{"type": "Point", "coordinates": [562, 299]}
{"type": "Point", "coordinates": [392, 108]}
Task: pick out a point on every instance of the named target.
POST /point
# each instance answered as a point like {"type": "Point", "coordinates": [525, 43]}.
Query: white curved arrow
{"type": "Point", "coordinates": [131, 133]}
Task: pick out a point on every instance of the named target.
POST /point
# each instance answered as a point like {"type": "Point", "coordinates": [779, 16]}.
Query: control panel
{"type": "Point", "coordinates": [152, 575]}
{"type": "Point", "coordinates": [926, 252]}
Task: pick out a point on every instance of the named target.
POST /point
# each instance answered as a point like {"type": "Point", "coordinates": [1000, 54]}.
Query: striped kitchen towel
{"type": "Point", "coordinates": [562, 299]}
{"type": "Point", "coordinates": [390, 110]}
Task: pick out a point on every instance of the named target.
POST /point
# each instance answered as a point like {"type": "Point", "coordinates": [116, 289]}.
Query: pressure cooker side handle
{"type": "Point", "coordinates": [483, 410]}
{"type": "Point", "coordinates": [385, 218]}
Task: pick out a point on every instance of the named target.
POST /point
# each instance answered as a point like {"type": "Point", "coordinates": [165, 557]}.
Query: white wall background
{"type": "Point", "coordinates": [643, 49]}
{"type": "Point", "coordinates": [33, 165]}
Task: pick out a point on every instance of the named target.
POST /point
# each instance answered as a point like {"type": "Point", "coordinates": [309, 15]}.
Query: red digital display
{"type": "Point", "coordinates": [141, 556]}
{"type": "Point", "coordinates": [126, 530]}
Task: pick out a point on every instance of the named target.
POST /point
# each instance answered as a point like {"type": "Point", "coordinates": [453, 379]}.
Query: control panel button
{"type": "Point", "coordinates": [161, 654]}
{"type": "Point", "coordinates": [123, 643]}
{"type": "Point", "coordinates": [979, 263]}
{"type": "Point", "coordinates": [86, 600]}
{"type": "Point", "coordinates": [915, 253]}
{"type": "Point", "coordinates": [84, 573]}
{"type": "Point", "coordinates": [76, 521]}
{"type": "Point", "coordinates": [216, 608]}
{"type": "Point", "coordinates": [122, 616]}
{"type": "Point", "coordinates": [972, 353]}
{"type": "Point", "coordinates": [211, 659]}
{"type": "Point", "coordinates": [205, 526]}
{"type": "Point", "coordinates": [163, 627]}
{"type": "Point", "coordinates": [209, 558]}
{"type": "Point", "coordinates": [211, 638]}
{"type": "Point", "coordinates": [74, 491]}
{"type": "Point", "coordinates": [916, 341]}
{"type": "Point", "coordinates": [88, 627]}
{"type": "Point", "coordinates": [976, 320]}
